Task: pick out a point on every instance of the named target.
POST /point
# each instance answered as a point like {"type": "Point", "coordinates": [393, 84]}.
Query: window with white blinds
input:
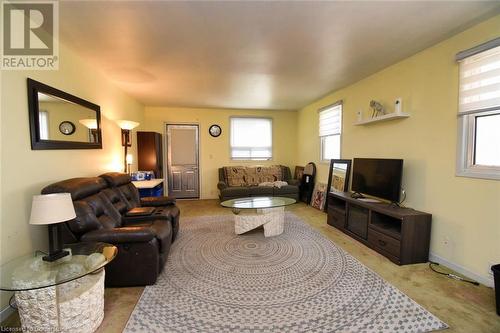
{"type": "Point", "coordinates": [480, 82]}
{"type": "Point", "coordinates": [251, 138]}
{"type": "Point", "coordinates": [330, 131]}
{"type": "Point", "coordinates": [479, 111]}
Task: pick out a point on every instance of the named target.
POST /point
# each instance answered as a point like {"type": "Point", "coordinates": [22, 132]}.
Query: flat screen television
{"type": "Point", "coordinates": [378, 177]}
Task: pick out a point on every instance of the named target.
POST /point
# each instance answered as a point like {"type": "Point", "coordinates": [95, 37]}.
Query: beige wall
{"type": "Point", "coordinates": [24, 172]}
{"type": "Point", "coordinates": [466, 211]}
{"type": "Point", "coordinates": [214, 152]}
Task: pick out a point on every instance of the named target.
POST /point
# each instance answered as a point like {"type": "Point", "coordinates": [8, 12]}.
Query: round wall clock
{"type": "Point", "coordinates": [67, 128]}
{"type": "Point", "coordinates": [215, 130]}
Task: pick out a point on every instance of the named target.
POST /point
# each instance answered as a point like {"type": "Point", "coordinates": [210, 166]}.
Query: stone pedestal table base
{"type": "Point", "coordinates": [272, 219]}
{"type": "Point", "coordinates": [75, 306]}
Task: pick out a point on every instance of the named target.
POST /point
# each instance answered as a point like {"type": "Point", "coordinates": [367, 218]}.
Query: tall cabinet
{"type": "Point", "coordinates": [150, 152]}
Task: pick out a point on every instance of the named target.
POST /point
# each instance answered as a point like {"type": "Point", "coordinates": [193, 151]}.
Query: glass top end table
{"type": "Point", "coordinates": [65, 295]}
{"type": "Point", "coordinates": [269, 213]}
{"type": "Point", "coordinates": [30, 271]}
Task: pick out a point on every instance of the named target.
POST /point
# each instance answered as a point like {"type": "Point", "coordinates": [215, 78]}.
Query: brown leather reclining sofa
{"type": "Point", "coordinates": [103, 214]}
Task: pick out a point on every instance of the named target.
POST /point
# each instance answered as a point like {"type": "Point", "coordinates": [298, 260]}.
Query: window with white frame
{"type": "Point", "coordinates": [330, 131]}
{"type": "Point", "coordinates": [43, 119]}
{"type": "Point", "coordinates": [479, 112]}
{"type": "Point", "coordinates": [251, 138]}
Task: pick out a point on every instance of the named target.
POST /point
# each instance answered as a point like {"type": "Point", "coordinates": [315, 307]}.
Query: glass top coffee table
{"type": "Point", "coordinates": [253, 212]}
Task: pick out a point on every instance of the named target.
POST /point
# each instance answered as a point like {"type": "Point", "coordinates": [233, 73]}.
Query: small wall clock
{"type": "Point", "coordinates": [67, 127]}
{"type": "Point", "coordinates": [215, 130]}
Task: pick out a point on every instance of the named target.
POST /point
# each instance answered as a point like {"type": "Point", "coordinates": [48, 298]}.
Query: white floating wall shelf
{"type": "Point", "coordinates": [385, 117]}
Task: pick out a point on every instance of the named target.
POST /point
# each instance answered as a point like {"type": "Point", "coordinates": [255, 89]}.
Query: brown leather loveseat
{"type": "Point", "coordinates": [104, 207]}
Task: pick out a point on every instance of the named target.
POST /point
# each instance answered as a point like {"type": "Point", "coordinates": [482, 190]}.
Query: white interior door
{"type": "Point", "coordinates": [183, 161]}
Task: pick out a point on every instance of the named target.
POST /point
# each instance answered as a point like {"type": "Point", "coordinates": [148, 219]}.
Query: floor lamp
{"type": "Point", "coordinates": [126, 126]}
{"type": "Point", "coordinates": [91, 124]}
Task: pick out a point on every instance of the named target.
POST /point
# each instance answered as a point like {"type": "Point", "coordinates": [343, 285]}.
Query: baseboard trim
{"type": "Point", "coordinates": [460, 269]}
{"type": "Point", "coordinates": [5, 313]}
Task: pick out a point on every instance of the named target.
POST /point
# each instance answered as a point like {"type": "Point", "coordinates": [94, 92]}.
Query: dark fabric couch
{"type": "Point", "coordinates": [101, 206]}
{"type": "Point", "coordinates": [226, 191]}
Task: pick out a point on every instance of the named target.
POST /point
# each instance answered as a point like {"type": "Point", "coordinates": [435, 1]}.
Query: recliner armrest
{"type": "Point", "coordinates": [120, 235]}
{"type": "Point", "coordinates": [221, 185]}
{"type": "Point", "coordinates": [157, 201]}
{"type": "Point", "coordinates": [294, 182]}
{"type": "Point", "coordinates": [134, 222]}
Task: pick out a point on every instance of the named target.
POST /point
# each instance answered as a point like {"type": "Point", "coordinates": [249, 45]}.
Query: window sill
{"type": "Point", "coordinates": [251, 160]}
{"type": "Point", "coordinates": [482, 174]}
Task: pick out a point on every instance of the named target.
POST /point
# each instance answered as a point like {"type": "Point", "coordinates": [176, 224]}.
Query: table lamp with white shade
{"type": "Point", "coordinates": [52, 210]}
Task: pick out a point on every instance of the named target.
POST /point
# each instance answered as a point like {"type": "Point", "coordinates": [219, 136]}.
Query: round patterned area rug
{"type": "Point", "coordinates": [217, 281]}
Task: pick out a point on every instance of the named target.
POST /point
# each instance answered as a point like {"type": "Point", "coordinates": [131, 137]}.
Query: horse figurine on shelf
{"type": "Point", "coordinates": [377, 109]}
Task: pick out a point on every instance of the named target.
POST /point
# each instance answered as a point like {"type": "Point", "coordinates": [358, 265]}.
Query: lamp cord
{"type": "Point", "coordinates": [450, 275]}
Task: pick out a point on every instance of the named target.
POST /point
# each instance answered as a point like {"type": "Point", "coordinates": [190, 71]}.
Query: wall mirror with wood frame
{"type": "Point", "coordinates": [59, 120]}
{"type": "Point", "coordinates": [338, 176]}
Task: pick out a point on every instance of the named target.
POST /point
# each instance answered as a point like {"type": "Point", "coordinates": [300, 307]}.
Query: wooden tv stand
{"type": "Point", "coordinates": [401, 234]}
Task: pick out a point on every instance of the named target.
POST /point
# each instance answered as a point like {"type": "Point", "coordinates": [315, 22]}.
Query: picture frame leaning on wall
{"type": "Point", "coordinates": [338, 177]}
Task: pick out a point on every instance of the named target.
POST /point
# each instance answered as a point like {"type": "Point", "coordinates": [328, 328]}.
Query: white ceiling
{"type": "Point", "coordinates": [254, 55]}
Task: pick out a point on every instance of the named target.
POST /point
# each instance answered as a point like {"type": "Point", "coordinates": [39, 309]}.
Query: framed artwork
{"type": "Point", "coordinates": [319, 196]}
{"type": "Point", "coordinates": [299, 172]}
{"type": "Point", "coordinates": [338, 176]}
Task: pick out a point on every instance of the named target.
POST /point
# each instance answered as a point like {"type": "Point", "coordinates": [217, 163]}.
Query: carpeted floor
{"type": "Point", "coordinates": [216, 281]}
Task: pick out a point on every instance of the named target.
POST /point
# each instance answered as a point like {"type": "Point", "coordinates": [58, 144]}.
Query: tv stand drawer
{"type": "Point", "coordinates": [384, 242]}
{"type": "Point", "coordinates": [336, 218]}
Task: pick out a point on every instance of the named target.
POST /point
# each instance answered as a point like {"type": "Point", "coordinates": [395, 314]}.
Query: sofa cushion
{"type": "Point", "coordinates": [104, 211]}
{"type": "Point", "coordinates": [78, 187]}
{"type": "Point", "coordinates": [131, 195]}
{"type": "Point", "coordinates": [235, 176]}
{"type": "Point", "coordinates": [260, 191]}
{"type": "Point", "coordinates": [121, 184]}
{"type": "Point", "coordinates": [268, 174]}
{"type": "Point", "coordinates": [286, 189]}
{"type": "Point", "coordinates": [116, 199]}
{"type": "Point", "coordinates": [241, 191]}
{"type": "Point", "coordinates": [85, 220]}
{"type": "Point", "coordinates": [93, 209]}
{"type": "Point", "coordinates": [115, 179]}
{"type": "Point", "coordinates": [252, 175]}
{"type": "Point", "coordinates": [260, 174]}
